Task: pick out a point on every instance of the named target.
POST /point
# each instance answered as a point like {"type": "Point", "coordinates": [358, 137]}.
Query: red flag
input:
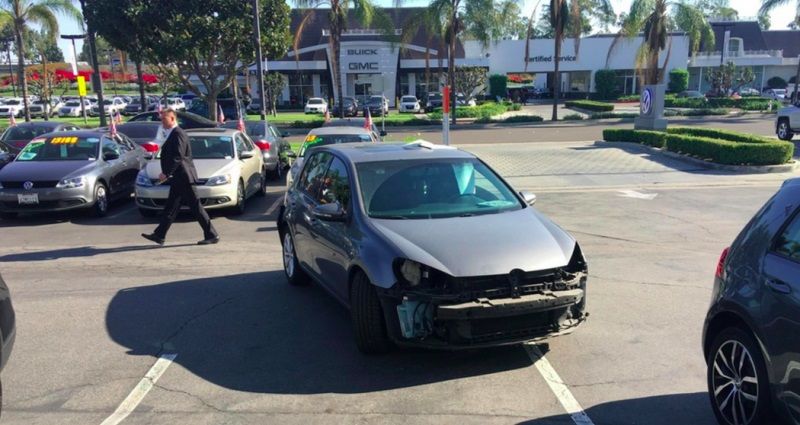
{"type": "Point", "coordinates": [368, 120]}
{"type": "Point", "coordinates": [118, 117]}
{"type": "Point", "coordinates": [240, 125]}
{"type": "Point", "coordinates": [11, 120]}
{"type": "Point", "coordinates": [327, 116]}
{"type": "Point", "coordinates": [113, 126]}
{"type": "Point", "coordinates": [220, 115]}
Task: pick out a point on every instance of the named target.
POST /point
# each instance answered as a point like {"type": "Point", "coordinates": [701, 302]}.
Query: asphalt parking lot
{"type": "Point", "coordinates": [221, 337]}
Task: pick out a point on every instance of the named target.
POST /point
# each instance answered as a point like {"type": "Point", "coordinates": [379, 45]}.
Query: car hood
{"type": "Point", "coordinates": [483, 245]}
{"type": "Point", "coordinates": [44, 170]}
{"type": "Point", "coordinates": [206, 168]}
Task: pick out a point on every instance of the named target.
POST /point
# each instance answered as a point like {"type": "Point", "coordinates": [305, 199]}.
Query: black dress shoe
{"type": "Point", "coordinates": [209, 241]}
{"type": "Point", "coordinates": [153, 238]}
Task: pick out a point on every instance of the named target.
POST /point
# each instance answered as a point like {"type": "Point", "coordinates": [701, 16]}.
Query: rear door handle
{"type": "Point", "coordinates": [779, 286]}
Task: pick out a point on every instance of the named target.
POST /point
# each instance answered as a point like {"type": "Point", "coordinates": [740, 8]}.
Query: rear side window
{"type": "Point", "coordinates": [788, 242]}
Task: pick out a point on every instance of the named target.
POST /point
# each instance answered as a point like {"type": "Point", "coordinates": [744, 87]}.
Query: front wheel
{"type": "Point", "coordinates": [367, 316]}
{"type": "Point", "coordinates": [241, 199]}
{"type": "Point", "coordinates": [737, 379]}
{"type": "Point", "coordinates": [784, 130]}
{"type": "Point", "coordinates": [100, 207]}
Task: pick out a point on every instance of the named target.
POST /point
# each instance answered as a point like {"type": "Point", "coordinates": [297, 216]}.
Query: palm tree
{"type": "Point", "coordinates": [650, 19]}
{"type": "Point", "coordinates": [566, 18]}
{"type": "Point", "coordinates": [21, 13]}
{"type": "Point", "coordinates": [365, 12]}
{"type": "Point", "coordinates": [768, 6]}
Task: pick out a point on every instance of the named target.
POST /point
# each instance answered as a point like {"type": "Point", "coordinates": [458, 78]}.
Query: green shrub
{"type": "Point", "coordinates": [605, 115]}
{"type": "Point", "coordinates": [703, 112]}
{"type": "Point", "coordinates": [650, 138]}
{"type": "Point", "coordinates": [573, 117]}
{"type": "Point", "coordinates": [731, 152]}
{"type": "Point", "coordinates": [628, 98]}
{"type": "Point", "coordinates": [488, 110]}
{"type": "Point", "coordinates": [777, 83]}
{"type": "Point", "coordinates": [714, 133]}
{"type": "Point", "coordinates": [516, 107]}
{"type": "Point", "coordinates": [686, 102]}
{"type": "Point", "coordinates": [678, 80]}
{"type": "Point", "coordinates": [590, 105]}
{"type": "Point", "coordinates": [605, 83]}
{"type": "Point", "coordinates": [523, 118]}
{"type": "Point", "coordinates": [498, 85]}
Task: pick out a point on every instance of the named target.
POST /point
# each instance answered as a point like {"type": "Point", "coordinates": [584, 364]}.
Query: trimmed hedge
{"type": "Point", "coordinates": [603, 115]}
{"type": "Point", "coordinates": [573, 117]}
{"type": "Point", "coordinates": [590, 105]}
{"type": "Point", "coordinates": [486, 110]}
{"type": "Point", "coordinates": [703, 112]}
{"type": "Point", "coordinates": [511, 119]}
{"type": "Point", "coordinates": [720, 146]}
{"type": "Point", "coordinates": [678, 80]}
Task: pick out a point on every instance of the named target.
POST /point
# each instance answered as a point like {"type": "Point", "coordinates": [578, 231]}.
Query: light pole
{"type": "Point", "coordinates": [259, 62]}
{"type": "Point", "coordinates": [8, 42]}
{"type": "Point", "coordinates": [72, 38]}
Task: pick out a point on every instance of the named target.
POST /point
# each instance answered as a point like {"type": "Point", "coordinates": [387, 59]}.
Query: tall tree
{"type": "Point", "coordinates": [651, 20]}
{"type": "Point", "coordinates": [20, 14]}
{"type": "Point", "coordinates": [103, 49]}
{"type": "Point", "coordinates": [768, 6]}
{"type": "Point", "coordinates": [365, 13]}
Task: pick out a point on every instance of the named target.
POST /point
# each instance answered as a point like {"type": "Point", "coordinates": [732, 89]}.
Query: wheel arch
{"type": "Point", "coordinates": [727, 319]}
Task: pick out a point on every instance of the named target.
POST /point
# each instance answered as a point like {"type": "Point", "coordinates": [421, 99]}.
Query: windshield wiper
{"type": "Point", "coordinates": [392, 217]}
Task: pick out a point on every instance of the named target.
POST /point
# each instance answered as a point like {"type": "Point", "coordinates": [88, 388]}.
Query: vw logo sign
{"type": "Point", "coordinates": [28, 185]}
{"type": "Point", "coordinates": [647, 101]}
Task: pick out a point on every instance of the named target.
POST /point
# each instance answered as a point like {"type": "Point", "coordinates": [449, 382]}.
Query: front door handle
{"type": "Point", "coordinates": [779, 286]}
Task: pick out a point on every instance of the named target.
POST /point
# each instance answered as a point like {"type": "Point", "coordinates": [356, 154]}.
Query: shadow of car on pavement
{"type": "Point", "coordinates": [254, 332]}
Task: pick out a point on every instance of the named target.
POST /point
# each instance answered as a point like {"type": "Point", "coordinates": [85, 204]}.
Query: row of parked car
{"type": "Point", "coordinates": [378, 105]}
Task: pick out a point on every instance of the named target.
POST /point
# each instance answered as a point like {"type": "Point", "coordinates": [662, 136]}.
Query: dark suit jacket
{"type": "Point", "coordinates": [176, 157]}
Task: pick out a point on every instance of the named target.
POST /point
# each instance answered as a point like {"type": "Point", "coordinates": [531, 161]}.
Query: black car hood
{"type": "Point", "coordinates": [42, 170]}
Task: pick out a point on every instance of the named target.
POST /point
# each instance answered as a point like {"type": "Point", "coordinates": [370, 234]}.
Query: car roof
{"type": "Point", "coordinates": [395, 151]}
{"type": "Point", "coordinates": [345, 122]}
{"type": "Point", "coordinates": [321, 131]}
{"type": "Point", "coordinates": [84, 133]}
{"type": "Point", "coordinates": [217, 131]}
{"type": "Point", "coordinates": [47, 124]}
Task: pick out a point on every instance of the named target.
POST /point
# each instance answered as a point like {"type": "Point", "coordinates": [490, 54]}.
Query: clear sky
{"type": "Point", "coordinates": [747, 8]}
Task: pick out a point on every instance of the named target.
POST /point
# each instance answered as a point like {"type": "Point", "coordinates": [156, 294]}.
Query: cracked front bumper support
{"type": "Point", "coordinates": [485, 308]}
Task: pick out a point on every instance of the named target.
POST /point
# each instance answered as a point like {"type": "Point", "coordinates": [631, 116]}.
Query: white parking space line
{"type": "Point", "coordinates": [637, 195]}
{"type": "Point", "coordinates": [274, 205]}
{"type": "Point", "coordinates": [557, 385]}
{"type": "Point", "coordinates": [140, 391]}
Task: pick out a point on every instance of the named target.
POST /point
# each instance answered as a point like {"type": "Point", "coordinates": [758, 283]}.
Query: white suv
{"type": "Point", "coordinates": [788, 122]}
{"type": "Point", "coordinates": [12, 106]}
{"type": "Point", "coordinates": [316, 105]}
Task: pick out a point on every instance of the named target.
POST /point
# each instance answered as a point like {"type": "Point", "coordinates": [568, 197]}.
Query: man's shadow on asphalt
{"type": "Point", "coordinates": [84, 251]}
{"type": "Point", "coordinates": [254, 332]}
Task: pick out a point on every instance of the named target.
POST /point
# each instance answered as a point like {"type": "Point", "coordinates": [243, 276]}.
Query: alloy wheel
{"type": "Point", "coordinates": [288, 254]}
{"type": "Point", "coordinates": [735, 383]}
{"type": "Point", "coordinates": [782, 130]}
{"type": "Point", "coordinates": [102, 199]}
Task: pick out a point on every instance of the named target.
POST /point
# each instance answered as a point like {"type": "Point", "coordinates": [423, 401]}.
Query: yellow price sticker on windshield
{"type": "Point", "coordinates": [64, 140]}
{"type": "Point", "coordinates": [311, 138]}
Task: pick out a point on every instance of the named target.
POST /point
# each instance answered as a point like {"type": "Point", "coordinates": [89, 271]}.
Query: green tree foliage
{"type": "Point", "coordinates": [678, 80]}
{"type": "Point", "coordinates": [604, 83]}
{"type": "Point", "coordinates": [498, 85]}
{"type": "Point", "coordinates": [103, 49]}
{"type": "Point", "coordinates": [469, 80]}
{"type": "Point", "coordinates": [273, 85]}
{"type": "Point", "coordinates": [728, 79]}
{"type": "Point", "coordinates": [768, 6]}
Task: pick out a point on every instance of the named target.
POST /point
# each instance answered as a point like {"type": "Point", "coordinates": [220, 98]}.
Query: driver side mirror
{"type": "Point", "coordinates": [529, 197]}
{"type": "Point", "coordinates": [330, 212]}
{"type": "Point", "coordinates": [291, 154]}
{"type": "Point", "coordinates": [110, 156]}
{"type": "Point", "coordinates": [246, 155]}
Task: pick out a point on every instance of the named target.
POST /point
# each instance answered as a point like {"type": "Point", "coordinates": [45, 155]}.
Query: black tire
{"type": "Point", "coordinates": [262, 191]}
{"type": "Point", "coordinates": [241, 200]}
{"type": "Point", "coordinates": [784, 131]}
{"type": "Point", "coordinates": [367, 315]}
{"type": "Point", "coordinates": [295, 275]}
{"type": "Point", "coordinates": [741, 391]}
{"type": "Point", "coordinates": [102, 200]}
{"type": "Point", "coordinates": [144, 212]}
{"type": "Point", "coordinates": [278, 173]}
{"type": "Point", "coordinates": [8, 215]}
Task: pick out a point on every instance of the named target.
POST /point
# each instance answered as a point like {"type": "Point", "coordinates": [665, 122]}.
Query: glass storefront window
{"type": "Point", "coordinates": [301, 88]}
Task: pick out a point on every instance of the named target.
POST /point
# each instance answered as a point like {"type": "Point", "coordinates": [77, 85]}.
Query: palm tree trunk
{"type": "Point", "coordinates": [23, 81]}
{"type": "Point", "coordinates": [337, 72]}
{"type": "Point", "coordinates": [45, 89]}
{"type": "Point", "coordinates": [140, 80]}
{"type": "Point", "coordinates": [556, 76]}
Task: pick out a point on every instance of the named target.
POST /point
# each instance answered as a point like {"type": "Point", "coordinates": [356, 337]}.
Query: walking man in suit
{"type": "Point", "coordinates": [178, 168]}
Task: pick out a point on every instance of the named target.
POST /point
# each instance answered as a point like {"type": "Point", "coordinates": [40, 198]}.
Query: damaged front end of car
{"type": "Point", "coordinates": [429, 308]}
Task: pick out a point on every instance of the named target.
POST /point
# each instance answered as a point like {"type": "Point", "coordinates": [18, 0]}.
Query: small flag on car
{"type": "Point", "coordinates": [11, 120]}
{"type": "Point", "coordinates": [220, 115]}
{"type": "Point", "coordinates": [118, 117]}
{"type": "Point", "coordinates": [113, 127]}
{"type": "Point", "coordinates": [368, 120]}
{"type": "Point", "coordinates": [240, 125]}
{"type": "Point", "coordinates": [327, 116]}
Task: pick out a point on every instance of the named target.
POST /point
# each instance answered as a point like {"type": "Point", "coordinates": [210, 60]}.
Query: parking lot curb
{"type": "Point", "coordinates": [742, 169]}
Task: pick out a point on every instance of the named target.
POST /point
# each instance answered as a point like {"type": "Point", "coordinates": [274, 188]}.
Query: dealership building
{"type": "Point", "coordinates": [373, 63]}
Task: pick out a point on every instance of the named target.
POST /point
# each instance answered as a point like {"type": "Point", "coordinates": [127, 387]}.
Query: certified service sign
{"type": "Point", "coordinates": [647, 101]}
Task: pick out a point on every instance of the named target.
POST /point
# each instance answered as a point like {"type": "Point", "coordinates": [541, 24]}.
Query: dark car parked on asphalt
{"type": "Point", "coordinates": [228, 106]}
{"type": "Point", "coordinates": [144, 134]}
{"type": "Point", "coordinates": [8, 328]}
{"type": "Point", "coordinates": [186, 120]}
{"type": "Point", "coordinates": [429, 247]}
{"type": "Point", "coordinates": [751, 336]}
{"type": "Point", "coordinates": [15, 138]}
{"type": "Point", "coordinates": [5, 156]}
{"type": "Point", "coordinates": [350, 107]}
{"type": "Point", "coordinates": [271, 143]}
{"type": "Point", "coordinates": [356, 122]}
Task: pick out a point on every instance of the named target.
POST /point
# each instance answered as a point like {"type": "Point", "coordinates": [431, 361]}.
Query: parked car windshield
{"type": "Point", "coordinates": [315, 101]}
{"type": "Point", "coordinates": [315, 140]}
{"type": "Point", "coordinates": [24, 132]}
{"type": "Point", "coordinates": [73, 103]}
{"type": "Point", "coordinates": [12, 102]}
{"type": "Point", "coordinates": [211, 147]}
{"type": "Point", "coordinates": [410, 99]}
{"type": "Point", "coordinates": [425, 189]}
{"type": "Point", "coordinates": [61, 148]}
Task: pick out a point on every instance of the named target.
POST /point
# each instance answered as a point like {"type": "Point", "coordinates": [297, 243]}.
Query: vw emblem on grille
{"type": "Point", "coordinates": [515, 279]}
{"type": "Point", "coordinates": [28, 185]}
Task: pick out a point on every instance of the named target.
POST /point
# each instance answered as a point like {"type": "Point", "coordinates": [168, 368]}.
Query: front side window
{"type": "Point", "coordinates": [336, 186]}
{"type": "Point", "coordinates": [313, 173]}
{"type": "Point", "coordinates": [241, 145]}
{"type": "Point", "coordinates": [433, 189]}
{"type": "Point", "coordinates": [788, 243]}
{"type": "Point", "coordinates": [110, 146]}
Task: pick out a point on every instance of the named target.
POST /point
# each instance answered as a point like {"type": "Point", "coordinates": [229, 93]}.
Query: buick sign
{"type": "Point", "coordinates": [647, 101]}
{"type": "Point", "coordinates": [28, 185]}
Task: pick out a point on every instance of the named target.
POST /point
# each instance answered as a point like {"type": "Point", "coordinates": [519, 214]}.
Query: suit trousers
{"type": "Point", "coordinates": [183, 192]}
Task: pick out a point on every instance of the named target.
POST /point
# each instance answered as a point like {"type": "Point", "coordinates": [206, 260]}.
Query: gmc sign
{"type": "Point", "coordinates": [365, 66]}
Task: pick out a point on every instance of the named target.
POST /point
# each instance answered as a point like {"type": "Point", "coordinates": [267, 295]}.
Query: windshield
{"type": "Point", "coordinates": [108, 102]}
{"type": "Point", "coordinates": [24, 132]}
{"type": "Point", "coordinates": [211, 147]}
{"type": "Point", "coordinates": [423, 189]}
{"type": "Point", "coordinates": [12, 102]}
{"type": "Point", "coordinates": [315, 140]}
{"type": "Point", "coordinates": [409, 99]}
{"type": "Point", "coordinates": [72, 103]}
{"type": "Point", "coordinates": [435, 97]}
{"type": "Point", "coordinates": [62, 148]}
{"type": "Point", "coordinates": [315, 101]}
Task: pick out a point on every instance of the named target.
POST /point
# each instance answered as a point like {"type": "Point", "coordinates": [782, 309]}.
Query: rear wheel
{"type": "Point", "coordinates": [100, 207]}
{"type": "Point", "coordinates": [737, 379]}
{"type": "Point", "coordinates": [294, 274]}
{"type": "Point", "coordinates": [784, 130]}
{"type": "Point", "coordinates": [367, 317]}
